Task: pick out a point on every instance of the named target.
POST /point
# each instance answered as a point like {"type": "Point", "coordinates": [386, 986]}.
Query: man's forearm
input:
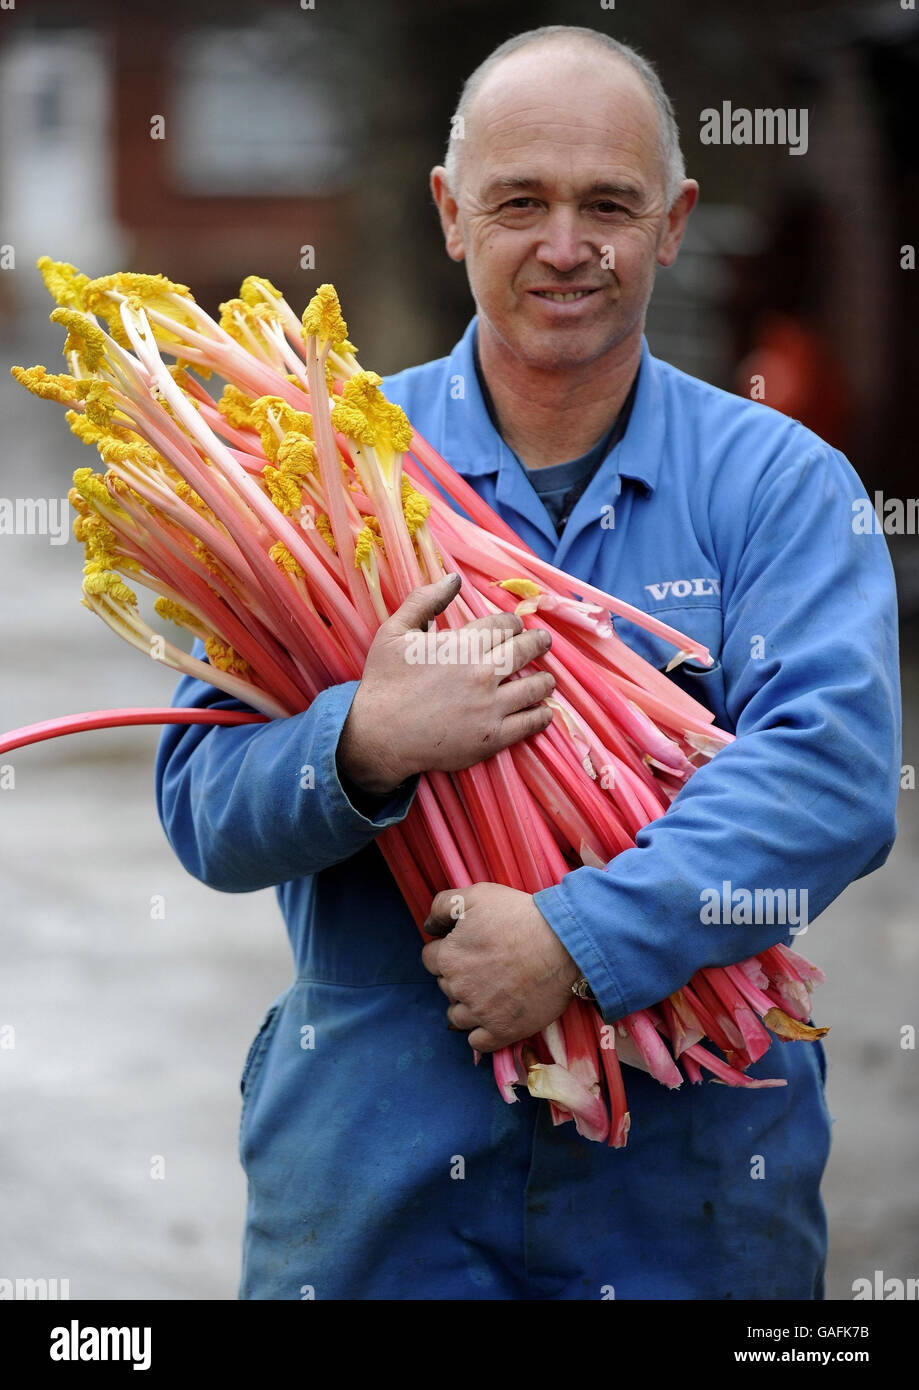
{"type": "Point", "coordinates": [804, 800]}
{"type": "Point", "coordinates": [644, 926]}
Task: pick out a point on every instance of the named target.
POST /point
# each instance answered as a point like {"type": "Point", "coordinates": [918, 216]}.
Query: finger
{"type": "Point", "coordinates": [423, 604]}
{"type": "Point", "coordinates": [482, 1041]}
{"type": "Point", "coordinates": [445, 988]}
{"type": "Point", "coordinates": [430, 953]}
{"type": "Point", "coordinates": [520, 692]}
{"type": "Point", "coordinates": [461, 1016]}
{"type": "Point", "coordinates": [446, 909]}
{"type": "Point", "coordinates": [493, 629]}
{"type": "Point", "coordinates": [517, 652]}
{"type": "Point", "coordinates": [523, 725]}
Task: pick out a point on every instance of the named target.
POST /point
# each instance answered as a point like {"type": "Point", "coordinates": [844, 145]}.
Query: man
{"type": "Point", "coordinates": [381, 1163]}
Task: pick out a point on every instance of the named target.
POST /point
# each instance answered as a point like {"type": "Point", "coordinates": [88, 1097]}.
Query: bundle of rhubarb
{"type": "Point", "coordinates": [280, 524]}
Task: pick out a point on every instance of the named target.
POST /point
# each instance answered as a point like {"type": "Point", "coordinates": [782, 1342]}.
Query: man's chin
{"type": "Point", "coordinates": [565, 350]}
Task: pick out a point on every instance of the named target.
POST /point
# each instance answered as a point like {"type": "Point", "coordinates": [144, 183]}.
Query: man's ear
{"type": "Point", "coordinates": [675, 224]}
{"type": "Point", "coordinates": [449, 213]}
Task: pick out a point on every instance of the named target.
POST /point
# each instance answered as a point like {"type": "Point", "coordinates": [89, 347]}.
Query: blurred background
{"type": "Point", "coordinates": [213, 140]}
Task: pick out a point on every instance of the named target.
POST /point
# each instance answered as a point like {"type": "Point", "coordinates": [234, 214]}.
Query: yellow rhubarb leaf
{"type": "Point", "coordinates": [790, 1029]}
{"type": "Point", "coordinates": [523, 588]}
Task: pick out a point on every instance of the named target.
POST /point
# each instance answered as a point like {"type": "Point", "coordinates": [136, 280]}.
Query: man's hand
{"type": "Point", "coordinates": [412, 713]}
{"type": "Point", "coordinates": [499, 963]}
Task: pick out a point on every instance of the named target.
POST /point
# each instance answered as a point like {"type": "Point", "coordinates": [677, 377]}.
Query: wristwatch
{"type": "Point", "coordinates": [583, 990]}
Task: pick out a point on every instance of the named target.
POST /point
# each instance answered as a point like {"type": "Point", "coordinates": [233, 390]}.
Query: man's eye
{"type": "Point", "coordinates": [521, 203]}
{"type": "Point", "coordinates": [605, 206]}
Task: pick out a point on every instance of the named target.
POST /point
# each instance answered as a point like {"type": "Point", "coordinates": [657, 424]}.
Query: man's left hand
{"type": "Point", "coordinates": [499, 963]}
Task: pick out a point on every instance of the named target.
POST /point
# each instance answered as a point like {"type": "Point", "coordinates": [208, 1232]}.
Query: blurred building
{"type": "Point", "coordinates": [202, 147]}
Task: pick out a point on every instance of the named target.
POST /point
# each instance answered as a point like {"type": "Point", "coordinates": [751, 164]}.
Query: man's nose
{"type": "Point", "coordinates": [563, 244]}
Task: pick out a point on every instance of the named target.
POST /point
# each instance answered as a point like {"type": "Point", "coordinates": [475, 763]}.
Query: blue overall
{"type": "Point", "coordinates": [381, 1162]}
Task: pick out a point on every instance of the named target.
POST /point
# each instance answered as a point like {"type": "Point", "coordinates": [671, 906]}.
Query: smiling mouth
{"type": "Point", "coordinates": [563, 297]}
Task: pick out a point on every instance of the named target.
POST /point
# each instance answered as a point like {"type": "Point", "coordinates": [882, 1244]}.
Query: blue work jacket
{"type": "Point", "coordinates": [381, 1162]}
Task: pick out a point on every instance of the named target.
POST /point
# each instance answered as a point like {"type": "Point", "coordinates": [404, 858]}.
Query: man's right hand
{"type": "Point", "coordinates": [432, 701]}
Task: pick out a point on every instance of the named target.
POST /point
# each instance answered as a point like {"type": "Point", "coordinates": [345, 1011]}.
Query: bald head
{"type": "Point", "coordinates": [585, 69]}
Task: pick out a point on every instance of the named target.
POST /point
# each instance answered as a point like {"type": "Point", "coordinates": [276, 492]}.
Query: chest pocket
{"type": "Point", "coordinates": [703, 622]}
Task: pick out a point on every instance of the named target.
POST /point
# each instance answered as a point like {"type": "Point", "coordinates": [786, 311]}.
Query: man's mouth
{"type": "Point", "coordinates": [563, 296]}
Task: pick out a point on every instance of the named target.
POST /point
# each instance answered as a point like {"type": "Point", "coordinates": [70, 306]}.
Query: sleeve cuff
{"type": "Point", "coordinates": [583, 948]}
{"type": "Point", "coordinates": [364, 808]}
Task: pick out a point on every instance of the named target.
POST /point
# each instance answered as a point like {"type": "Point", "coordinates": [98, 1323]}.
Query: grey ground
{"type": "Point", "coordinates": [131, 1031]}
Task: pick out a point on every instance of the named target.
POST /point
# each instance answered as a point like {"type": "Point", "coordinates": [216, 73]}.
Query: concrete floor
{"type": "Point", "coordinates": [131, 1027]}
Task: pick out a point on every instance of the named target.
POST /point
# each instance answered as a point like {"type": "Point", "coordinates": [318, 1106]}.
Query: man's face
{"type": "Point", "coordinates": [561, 191]}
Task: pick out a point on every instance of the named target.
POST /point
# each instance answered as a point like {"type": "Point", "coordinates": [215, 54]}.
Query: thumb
{"type": "Point", "coordinates": [423, 604]}
{"type": "Point", "coordinates": [447, 908]}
